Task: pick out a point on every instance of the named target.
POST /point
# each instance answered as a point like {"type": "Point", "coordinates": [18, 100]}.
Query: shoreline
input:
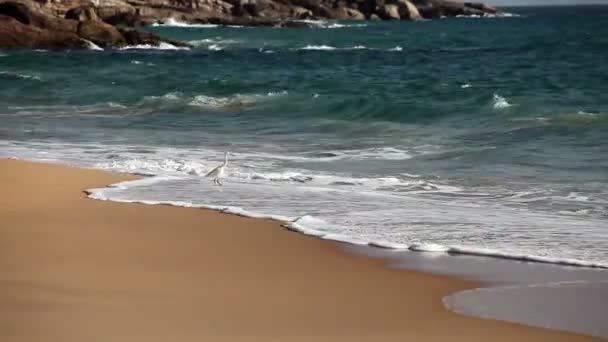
{"type": "Point", "coordinates": [277, 284]}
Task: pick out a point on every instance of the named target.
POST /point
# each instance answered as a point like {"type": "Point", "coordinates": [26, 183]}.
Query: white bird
{"type": "Point", "coordinates": [218, 172]}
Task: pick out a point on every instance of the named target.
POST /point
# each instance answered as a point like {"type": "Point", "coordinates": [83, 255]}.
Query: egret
{"type": "Point", "coordinates": [218, 172]}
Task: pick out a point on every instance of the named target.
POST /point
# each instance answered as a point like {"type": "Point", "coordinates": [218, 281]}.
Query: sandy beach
{"type": "Point", "coordinates": [75, 269]}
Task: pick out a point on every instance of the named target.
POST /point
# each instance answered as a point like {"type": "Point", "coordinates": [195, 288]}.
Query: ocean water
{"type": "Point", "coordinates": [483, 136]}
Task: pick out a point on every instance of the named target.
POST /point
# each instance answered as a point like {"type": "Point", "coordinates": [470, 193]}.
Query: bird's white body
{"type": "Point", "coordinates": [218, 172]}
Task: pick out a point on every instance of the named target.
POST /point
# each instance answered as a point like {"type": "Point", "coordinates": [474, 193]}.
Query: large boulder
{"type": "Point", "coordinates": [248, 7]}
{"type": "Point", "coordinates": [408, 11]}
{"type": "Point", "coordinates": [30, 13]}
{"type": "Point", "coordinates": [135, 37]}
{"type": "Point", "coordinates": [389, 12]}
{"type": "Point", "coordinates": [25, 24]}
{"type": "Point", "coordinates": [482, 7]}
{"type": "Point", "coordinates": [298, 12]}
{"type": "Point", "coordinates": [16, 34]}
{"type": "Point", "coordinates": [117, 13]}
{"type": "Point", "coordinates": [347, 13]}
{"type": "Point", "coordinates": [82, 13]}
{"type": "Point", "coordinates": [453, 8]}
{"type": "Point", "coordinates": [100, 33]}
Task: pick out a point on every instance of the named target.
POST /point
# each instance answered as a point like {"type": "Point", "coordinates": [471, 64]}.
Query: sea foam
{"type": "Point", "coordinates": [305, 223]}
{"type": "Point", "coordinates": [20, 75]}
{"type": "Point", "coordinates": [161, 46]}
{"type": "Point", "coordinates": [171, 22]}
{"type": "Point", "coordinates": [313, 47]}
{"type": "Point", "coordinates": [500, 102]}
{"type": "Point", "coordinates": [93, 46]}
{"type": "Point", "coordinates": [322, 24]}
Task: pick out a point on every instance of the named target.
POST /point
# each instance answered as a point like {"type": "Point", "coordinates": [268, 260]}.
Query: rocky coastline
{"type": "Point", "coordinates": [80, 24]}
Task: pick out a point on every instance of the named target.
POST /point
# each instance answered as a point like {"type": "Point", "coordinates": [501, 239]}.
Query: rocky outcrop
{"type": "Point", "coordinates": [431, 9]}
{"type": "Point", "coordinates": [407, 11]}
{"type": "Point", "coordinates": [389, 12]}
{"type": "Point", "coordinates": [16, 34]}
{"type": "Point", "coordinates": [75, 23]}
{"type": "Point", "coordinates": [263, 12]}
{"type": "Point", "coordinates": [27, 24]}
{"type": "Point", "coordinates": [100, 33]}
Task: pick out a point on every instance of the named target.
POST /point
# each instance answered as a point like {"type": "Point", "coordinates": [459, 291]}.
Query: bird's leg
{"type": "Point", "coordinates": [219, 182]}
{"type": "Point", "coordinates": [215, 180]}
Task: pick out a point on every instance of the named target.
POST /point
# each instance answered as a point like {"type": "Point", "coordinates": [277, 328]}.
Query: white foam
{"type": "Point", "coordinates": [102, 194]}
{"type": "Point", "coordinates": [214, 102]}
{"type": "Point", "coordinates": [318, 48]}
{"type": "Point", "coordinates": [333, 48]}
{"type": "Point", "coordinates": [524, 257]}
{"type": "Point", "coordinates": [429, 247]}
{"type": "Point", "coordinates": [489, 15]}
{"type": "Point", "coordinates": [587, 114]}
{"type": "Point", "coordinates": [212, 42]}
{"type": "Point", "coordinates": [500, 102]}
{"type": "Point", "coordinates": [336, 25]}
{"type": "Point", "coordinates": [171, 22]}
{"type": "Point", "coordinates": [21, 75]}
{"type": "Point", "coordinates": [465, 86]}
{"type": "Point", "coordinates": [215, 47]}
{"type": "Point", "coordinates": [388, 245]}
{"type": "Point", "coordinates": [161, 46]}
{"type": "Point", "coordinates": [417, 223]}
{"type": "Point", "coordinates": [579, 212]}
{"type": "Point", "coordinates": [93, 46]}
{"type": "Point", "coordinates": [322, 24]}
{"type": "Point", "coordinates": [173, 96]}
{"type": "Point", "coordinates": [232, 101]}
{"type": "Point", "coordinates": [577, 197]}
{"type": "Point", "coordinates": [313, 226]}
{"type": "Point", "coordinates": [147, 166]}
{"type": "Point", "coordinates": [373, 153]}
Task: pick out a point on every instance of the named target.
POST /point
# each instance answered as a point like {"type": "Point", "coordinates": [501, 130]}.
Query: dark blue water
{"type": "Point", "coordinates": [473, 135]}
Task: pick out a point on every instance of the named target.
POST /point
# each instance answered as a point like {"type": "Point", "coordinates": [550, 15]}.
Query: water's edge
{"type": "Point", "coordinates": [529, 273]}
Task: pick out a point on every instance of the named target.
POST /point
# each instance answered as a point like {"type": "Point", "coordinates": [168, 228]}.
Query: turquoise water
{"type": "Point", "coordinates": [469, 135]}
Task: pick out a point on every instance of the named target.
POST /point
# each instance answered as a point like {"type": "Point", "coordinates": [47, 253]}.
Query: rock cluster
{"type": "Point", "coordinates": [27, 24]}
{"type": "Point", "coordinates": [61, 24]}
{"type": "Point", "coordinates": [279, 12]}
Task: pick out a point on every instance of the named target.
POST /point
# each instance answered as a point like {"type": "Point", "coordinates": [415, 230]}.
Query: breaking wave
{"type": "Point", "coordinates": [500, 102]}
{"type": "Point", "coordinates": [214, 102]}
{"type": "Point", "coordinates": [490, 15]}
{"type": "Point", "coordinates": [20, 75]}
{"type": "Point", "coordinates": [93, 46]}
{"type": "Point", "coordinates": [323, 24]}
{"type": "Point", "coordinates": [171, 22]}
{"type": "Point", "coordinates": [356, 47]}
{"type": "Point", "coordinates": [161, 46]}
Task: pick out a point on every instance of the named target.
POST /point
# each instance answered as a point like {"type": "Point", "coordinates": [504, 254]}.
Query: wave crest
{"type": "Point", "coordinates": [214, 102]}
{"type": "Point", "coordinates": [161, 46]}
{"type": "Point", "coordinates": [21, 75]}
{"type": "Point", "coordinates": [172, 22]}
{"type": "Point", "coordinates": [351, 48]}
{"type": "Point", "coordinates": [500, 102]}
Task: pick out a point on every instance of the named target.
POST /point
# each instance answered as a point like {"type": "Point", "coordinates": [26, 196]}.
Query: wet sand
{"type": "Point", "coordinates": [75, 269]}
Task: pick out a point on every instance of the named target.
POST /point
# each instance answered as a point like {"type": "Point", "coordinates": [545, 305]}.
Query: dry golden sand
{"type": "Point", "coordinates": [75, 269]}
